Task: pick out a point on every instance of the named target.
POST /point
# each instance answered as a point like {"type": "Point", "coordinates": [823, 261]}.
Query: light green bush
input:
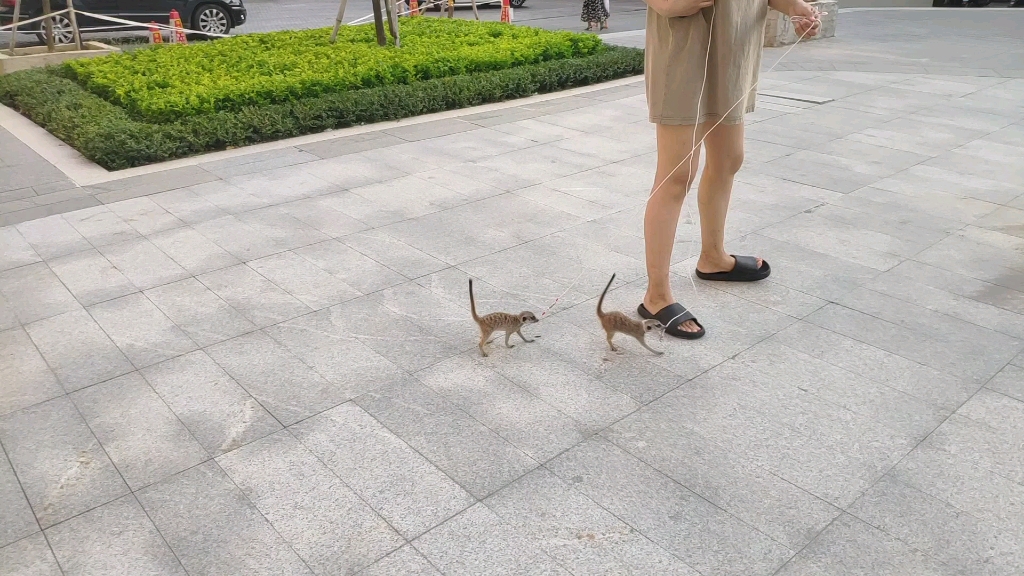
{"type": "Point", "coordinates": [168, 82]}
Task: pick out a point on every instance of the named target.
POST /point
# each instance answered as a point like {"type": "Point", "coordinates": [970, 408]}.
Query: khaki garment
{"type": "Point", "coordinates": [675, 58]}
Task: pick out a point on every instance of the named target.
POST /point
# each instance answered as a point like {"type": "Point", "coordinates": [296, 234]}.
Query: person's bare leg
{"type": "Point", "coordinates": [662, 215]}
{"type": "Point", "coordinates": [724, 146]}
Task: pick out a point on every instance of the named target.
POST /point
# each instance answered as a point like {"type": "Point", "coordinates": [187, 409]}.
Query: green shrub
{"type": "Point", "coordinates": [168, 82]}
{"type": "Point", "coordinates": [109, 136]}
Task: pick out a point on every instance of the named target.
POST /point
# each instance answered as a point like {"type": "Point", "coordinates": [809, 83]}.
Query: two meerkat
{"type": "Point", "coordinates": [499, 321]}
{"type": "Point", "coordinates": [618, 323]}
{"type": "Point", "coordinates": [613, 323]}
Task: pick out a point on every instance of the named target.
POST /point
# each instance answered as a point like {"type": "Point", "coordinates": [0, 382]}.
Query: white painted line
{"type": "Point", "coordinates": [85, 173]}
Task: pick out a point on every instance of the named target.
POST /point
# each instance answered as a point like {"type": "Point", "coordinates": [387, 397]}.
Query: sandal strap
{"type": "Point", "coordinates": [746, 264]}
{"type": "Point", "coordinates": [673, 315]}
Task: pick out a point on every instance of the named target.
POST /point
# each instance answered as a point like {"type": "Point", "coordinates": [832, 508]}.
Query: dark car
{"type": "Point", "coordinates": [213, 16]}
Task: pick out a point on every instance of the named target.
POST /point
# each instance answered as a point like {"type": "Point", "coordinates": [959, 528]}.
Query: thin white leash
{"type": "Point", "coordinates": [731, 108]}
{"type": "Point", "coordinates": [689, 157]}
{"type": "Point", "coordinates": [693, 144]}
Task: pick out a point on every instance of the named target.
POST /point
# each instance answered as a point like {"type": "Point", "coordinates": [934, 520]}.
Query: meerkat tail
{"type": "Point", "coordinates": [600, 301]}
{"type": "Point", "coordinates": [472, 302]}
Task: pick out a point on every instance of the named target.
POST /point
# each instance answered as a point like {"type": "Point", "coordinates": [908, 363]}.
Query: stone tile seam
{"type": "Point", "coordinates": [809, 542]}
{"type": "Point", "coordinates": [943, 310]}
{"type": "Point", "coordinates": [911, 451]}
{"type": "Point", "coordinates": [24, 494]}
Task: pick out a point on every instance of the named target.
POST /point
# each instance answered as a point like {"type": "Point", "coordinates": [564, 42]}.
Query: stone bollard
{"type": "Point", "coordinates": [778, 30]}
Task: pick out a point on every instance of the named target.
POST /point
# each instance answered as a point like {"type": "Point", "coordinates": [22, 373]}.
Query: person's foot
{"type": "Point", "coordinates": [712, 264]}
{"type": "Point", "coordinates": [656, 304]}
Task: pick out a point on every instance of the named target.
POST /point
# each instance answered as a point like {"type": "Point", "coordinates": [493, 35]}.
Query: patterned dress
{"type": "Point", "coordinates": [594, 11]}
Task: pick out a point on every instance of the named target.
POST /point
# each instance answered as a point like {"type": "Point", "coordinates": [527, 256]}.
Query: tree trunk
{"type": "Point", "coordinates": [337, 21]}
{"type": "Point", "coordinates": [378, 23]}
{"type": "Point", "coordinates": [14, 25]}
{"type": "Point", "coordinates": [74, 25]}
{"type": "Point", "coordinates": [48, 25]}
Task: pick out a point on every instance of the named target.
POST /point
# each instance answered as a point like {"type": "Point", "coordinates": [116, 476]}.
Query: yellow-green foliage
{"type": "Point", "coordinates": [167, 82]}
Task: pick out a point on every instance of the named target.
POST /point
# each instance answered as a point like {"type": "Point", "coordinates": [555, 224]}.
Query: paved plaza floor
{"type": "Point", "coordinates": [265, 364]}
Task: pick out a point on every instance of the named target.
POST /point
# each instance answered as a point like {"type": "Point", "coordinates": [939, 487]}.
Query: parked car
{"type": "Point", "coordinates": [213, 16]}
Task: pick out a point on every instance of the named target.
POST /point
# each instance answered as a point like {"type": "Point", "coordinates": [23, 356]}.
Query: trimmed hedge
{"type": "Point", "coordinates": [166, 82]}
{"type": "Point", "coordinates": [111, 137]}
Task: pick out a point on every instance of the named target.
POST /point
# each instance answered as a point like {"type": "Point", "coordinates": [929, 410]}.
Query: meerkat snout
{"type": "Point", "coordinates": [650, 325]}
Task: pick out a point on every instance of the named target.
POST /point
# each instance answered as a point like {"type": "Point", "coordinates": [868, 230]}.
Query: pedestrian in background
{"type": "Point", "coordinates": [595, 14]}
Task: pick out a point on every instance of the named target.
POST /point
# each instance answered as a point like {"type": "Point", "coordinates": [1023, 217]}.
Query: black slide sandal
{"type": "Point", "coordinates": [745, 270]}
{"type": "Point", "coordinates": [672, 317]}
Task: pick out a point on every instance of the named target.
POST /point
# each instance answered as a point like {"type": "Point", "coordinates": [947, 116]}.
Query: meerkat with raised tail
{"type": "Point", "coordinates": [617, 322]}
{"type": "Point", "coordinates": [499, 321]}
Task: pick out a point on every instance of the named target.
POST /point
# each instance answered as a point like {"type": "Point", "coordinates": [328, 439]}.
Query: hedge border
{"type": "Point", "coordinates": [110, 137]}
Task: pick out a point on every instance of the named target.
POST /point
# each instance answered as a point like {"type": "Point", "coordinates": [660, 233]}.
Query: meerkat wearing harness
{"type": "Point", "coordinates": [617, 322]}
{"type": "Point", "coordinates": [499, 321]}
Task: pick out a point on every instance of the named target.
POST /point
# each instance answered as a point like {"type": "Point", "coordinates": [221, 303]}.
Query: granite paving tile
{"type": "Point", "coordinates": [115, 538]}
{"type": "Point", "coordinates": [280, 381]}
{"type": "Point", "coordinates": [60, 464]}
{"type": "Point", "coordinates": [219, 413]}
{"type": "Point", "coordinates": [26, 378]}
{"type": "Point", "coordinates": [143, 438]}
{"type": "Point", "coordinates": [478, 542]}
{"type": "Point", "coordinates": [30, 557]}
{"type": "Point", "coordinates": [78, 350]}
{"type": "Point", "coordinates": [396, 481]}
{"type": "Point", "coordinates": [255, 297]}
{"type": "Point", "coordinates": [214, 529]}
{"type": "Point", "coordinates": [34, 292]}
{"type": "Point", "coordinates": [577, 532]}
{"type": "Point", "coordinates": [91, 277]}
{"type": "Point", "coordinates": [192, 251]}
{"type": "Point", "coordinates": [52, 237]}
{"type": "Point", "coordinates": [142, 263]}
{"type": "Point", "coordinates": [16, 518]}
{"type": "Point", "coordinates": [295, 491]}
{"type": "Point", "coordinates": [471, 454]}
{"type": "Point", "coordinates": [850, 546]}
{"type": "Point", "coordinates": [142, 332]}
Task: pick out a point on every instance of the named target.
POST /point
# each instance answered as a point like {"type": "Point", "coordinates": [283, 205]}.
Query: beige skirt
{"type": "Point", "coordinates": [677, 49]}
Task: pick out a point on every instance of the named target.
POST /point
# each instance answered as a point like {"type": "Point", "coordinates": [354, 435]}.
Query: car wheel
{"type": "Point", "coordinates": [211, 19]}
{"type": "Point", "coordinates": [62, 31]}
{"type": "Point", "coordinates": [517, 3]}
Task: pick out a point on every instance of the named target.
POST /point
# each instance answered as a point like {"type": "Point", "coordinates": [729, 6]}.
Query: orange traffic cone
{"type": "Point", "coordinates": [155, 37]}
{"type": "Point", "coordinates": [179, 28]}
{"type": "Point", "coordinates": [414, 8]}
{"type": "Point", "coordinates": [506, 12]}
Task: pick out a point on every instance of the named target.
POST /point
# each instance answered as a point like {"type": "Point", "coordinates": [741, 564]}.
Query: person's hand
{"type": "Point", "coordinates": [805, 18]}
{"type": "Point", "coordinates": [679, 8]}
